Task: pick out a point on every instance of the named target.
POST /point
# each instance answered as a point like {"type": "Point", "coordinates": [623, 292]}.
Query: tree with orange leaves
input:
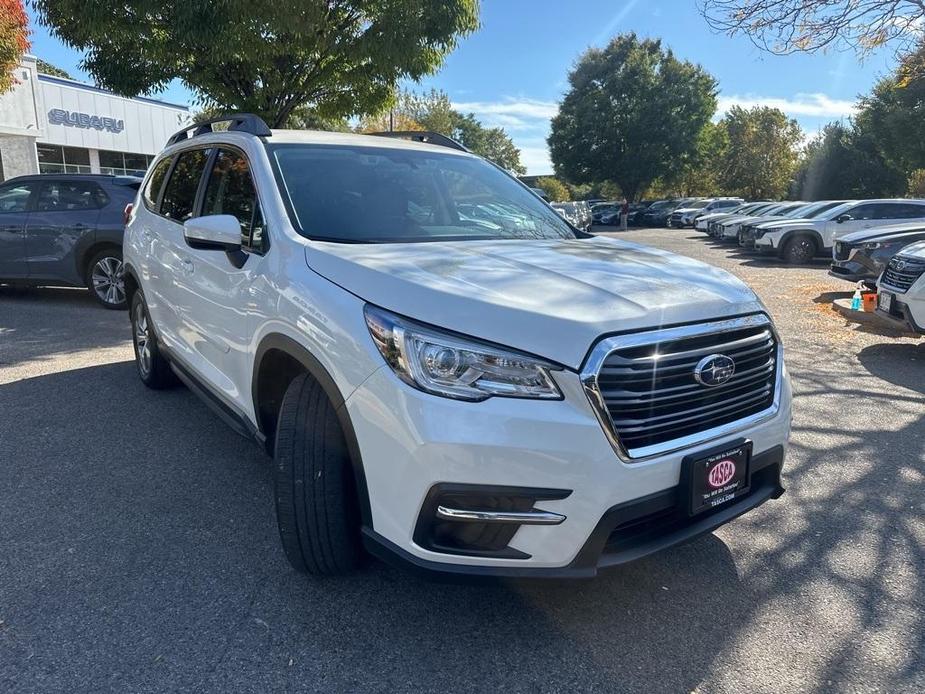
{"type": "Point", "coordinates": [14, 40]}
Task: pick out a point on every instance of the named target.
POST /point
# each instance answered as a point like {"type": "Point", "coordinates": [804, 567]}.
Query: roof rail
{"type": "Point", "coordinates": [425, 136]}
{"type": "Point", "coordinates": [240, 122]}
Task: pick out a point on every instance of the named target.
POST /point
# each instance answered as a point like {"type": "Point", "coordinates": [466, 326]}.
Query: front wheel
{"type": "Point", "coordinates": [106, 278]}
{"type": "Point", "coordinates": [799, 250]}
{"type": "Point", "coordinates": [316, 500]}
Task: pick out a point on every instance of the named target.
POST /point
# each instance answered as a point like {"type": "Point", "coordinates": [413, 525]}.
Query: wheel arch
{"type": "Point", "coordinates": [87, 254]}
{"type": "Point", "coordinates": [277, 361]}
{"type": "Point", "coordinates": [793, 233]}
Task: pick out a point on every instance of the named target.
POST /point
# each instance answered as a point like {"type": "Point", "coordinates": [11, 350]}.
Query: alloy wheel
{"type": "Point", "coordinates": [108, 279]}
{"type": "Point", "coordinates": [142, 336]}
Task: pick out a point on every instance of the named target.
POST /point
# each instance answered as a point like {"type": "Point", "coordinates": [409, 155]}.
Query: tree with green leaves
{"type": "Point", "coordinates": [633, 110]}
{"type": "Point", "coordinates": [434, 111]}
{"type": "Point", "coordinates": [762, 153]}
{"type": "Point", "coordinates": [14, 40]}
{"type": "Point", "coordinates": [843, 162]}
{"type": "Point", "coordinates": [555, 189]}
{"type": "Point", "coordinates": [47, 68]}
{"type": "Point", "coordinates": [894, 114]}
{"type": "Point", "coordinates": [269, 57]}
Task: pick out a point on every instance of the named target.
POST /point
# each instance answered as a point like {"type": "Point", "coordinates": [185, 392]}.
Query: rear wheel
{"type": "Point", "coordinates": [106, 278]}
{"type": "Point", "coordinates": [153, 368]}
{"type": "Point", "coordinates": [316, 500]}
{"type": "Point", "coordinates": [799, 250]}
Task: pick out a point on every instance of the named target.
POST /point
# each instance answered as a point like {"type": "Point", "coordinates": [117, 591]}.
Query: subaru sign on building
{"type": "Point", "coordinates": [54, 125]}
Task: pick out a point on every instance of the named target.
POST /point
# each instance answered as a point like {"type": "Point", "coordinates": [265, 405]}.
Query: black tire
{"type": "Point", "coordinates": [105, 278]}
{"type": "Point", "coordinates": [799, 250]}
{"type": "Point", "coordinates": [153, 368]}
{"type": "Point", "coordinates": [316, 501]}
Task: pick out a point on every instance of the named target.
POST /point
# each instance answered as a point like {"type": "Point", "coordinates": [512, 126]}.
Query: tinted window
{"type": "Point", "coordinates": [180, 191]}
{"type": "Point", "coordinates": [376, 195]}
{"type": "Point", "coordinates": [867, 211]}
{"type": "Point", "coordinates": [903, 210]}
{"type": "Point", "coordinates": [155, 183]}
{"type": "Point", "coordinates": [15, 197]}
{"type": "Point", "coordinates": [231, 191]}
{"type": "Point", "coordinates": [68, 196]}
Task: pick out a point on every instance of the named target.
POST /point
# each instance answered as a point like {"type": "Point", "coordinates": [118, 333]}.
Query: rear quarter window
{"type": "Point", "coordinates": [155, 183]}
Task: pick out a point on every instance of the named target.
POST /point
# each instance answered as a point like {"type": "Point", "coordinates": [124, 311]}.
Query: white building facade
{"type": "Point", "coordinates": [54, 125]}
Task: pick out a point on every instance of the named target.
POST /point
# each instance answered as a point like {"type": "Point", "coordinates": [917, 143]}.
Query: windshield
{"type": "Point", "coordinates": [700, 204]}
{"type": "Point", "coordinates": [388, 195]}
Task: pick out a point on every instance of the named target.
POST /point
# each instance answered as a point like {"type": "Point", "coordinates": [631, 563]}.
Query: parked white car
{"type": "Point", "coordinates": [728, 229]}
{"type": "Point", "coordinates": [801, 240]}
{"type": "Point", "coordinates": [750, 231]}
{"type": "Point", "coordinates": [901, 289]}
{"type": "Point", "coordinates": [703, 223]}
{"type": "Point", "coordinates": [685, 216]}
{"type": "Point", "coordinates": [479, 395]}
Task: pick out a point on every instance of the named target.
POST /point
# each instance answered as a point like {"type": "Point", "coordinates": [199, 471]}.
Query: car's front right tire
{"type": "Point", "coordinates": [316, 500]}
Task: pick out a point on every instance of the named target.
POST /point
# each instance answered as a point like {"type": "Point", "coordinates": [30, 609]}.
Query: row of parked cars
{"type": "Point", "coordinates": [878, 243]}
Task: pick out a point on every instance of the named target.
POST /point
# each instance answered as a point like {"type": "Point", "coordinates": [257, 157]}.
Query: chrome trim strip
{"type": "Point", "coordinates": [522, 518]}
{"type": "Point", "coordinates": [603, 349]}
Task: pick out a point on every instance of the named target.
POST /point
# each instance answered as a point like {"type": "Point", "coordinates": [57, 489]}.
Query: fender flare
{"type": "Point", "coordinates": [311, 364]}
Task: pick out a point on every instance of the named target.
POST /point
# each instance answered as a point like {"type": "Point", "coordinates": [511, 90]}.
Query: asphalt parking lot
{"type": "Point", "coordinates": [139, 551]}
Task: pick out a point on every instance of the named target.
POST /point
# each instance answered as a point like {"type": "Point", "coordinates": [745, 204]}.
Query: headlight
{"type": "Point", "coordinates": [872, 246]}
{"type": "Point", "coordinates": [456, 367]}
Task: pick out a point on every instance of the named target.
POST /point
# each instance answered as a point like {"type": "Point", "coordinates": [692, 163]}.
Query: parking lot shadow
{"type": "Point", "coordinates": [902, 364]}
{"type": "Point", "coordinates": [138, 544]}
{"type": "Point", "coordinates": [38, 323]}
{"type": "Point", "coordinates": [139, 550]}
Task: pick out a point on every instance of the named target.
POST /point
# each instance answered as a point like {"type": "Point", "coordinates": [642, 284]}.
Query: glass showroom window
{"type": "Point", "coordinates": [57, 159]}
{"type": "Point", "coordinates": [123, 163]}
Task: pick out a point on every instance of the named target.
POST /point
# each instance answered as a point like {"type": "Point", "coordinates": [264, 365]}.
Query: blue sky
{"type": "Point", "coordinates": [513, 71]}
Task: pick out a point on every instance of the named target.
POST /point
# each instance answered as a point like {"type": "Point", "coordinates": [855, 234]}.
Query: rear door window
{"type": "Point", "coordinates": [70, 196]}
{"type": "Point", "coordinates": [155, 183]}
{"type": "Point", "coordinates": [14, 197]}
{"type": "Point", "coordinates": [180, 191]}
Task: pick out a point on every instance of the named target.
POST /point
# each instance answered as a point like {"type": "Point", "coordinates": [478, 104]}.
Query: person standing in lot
{"type": "Point", "coordinates": [624, 214]}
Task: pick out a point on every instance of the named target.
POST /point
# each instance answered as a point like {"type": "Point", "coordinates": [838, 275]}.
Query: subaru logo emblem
{"type": "Point", "coordinates": [714, 370]}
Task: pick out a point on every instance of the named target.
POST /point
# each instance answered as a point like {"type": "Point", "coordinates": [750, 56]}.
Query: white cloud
{"type": "Point", "coordinates": [534, 109]}
{"type": "Point", "coordinates": [815, 105]}
{"type": "Point", "coordinates": [536, 159]}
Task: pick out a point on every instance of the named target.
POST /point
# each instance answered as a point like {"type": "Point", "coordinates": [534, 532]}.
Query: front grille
{"type": "Point", "coordinates": [901, 273]}
{"type": "Point", "coordinates": [652, 397]}
{"type": "Point", "coordinates": [842, 251]}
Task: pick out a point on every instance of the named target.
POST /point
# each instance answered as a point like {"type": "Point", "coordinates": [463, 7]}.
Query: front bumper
{"type": "Point", "coordinates": [411, 442]}
{"type": "Point", "coordinates": [856, 267]}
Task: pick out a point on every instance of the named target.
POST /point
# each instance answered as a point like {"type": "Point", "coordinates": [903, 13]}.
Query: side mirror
{"type": "Point", "coordinates": [214, 232]}
{"type": "Point", "coordinates": [842, 218]}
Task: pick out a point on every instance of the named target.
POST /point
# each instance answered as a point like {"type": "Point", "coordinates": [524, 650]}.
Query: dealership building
{"type": "Point", "coordinates": [54, 125]}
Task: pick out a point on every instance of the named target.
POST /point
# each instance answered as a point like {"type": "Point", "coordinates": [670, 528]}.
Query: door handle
{"type": "Point", "coordinates": [187, 265]}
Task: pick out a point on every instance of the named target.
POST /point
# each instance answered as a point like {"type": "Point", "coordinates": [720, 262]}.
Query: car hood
{"type": "Point", "coordinates": [685, 210]}
{"type": "Point", "coordinates": [879, 233]}
{"type": "Point", "coordinates": [552, 298]}
{"type": "Point", "coordinates": [916, 250]}
{"type": "Point", "coordinates": [776, 222]}
{"type": "Point", "coordinates": [737, 219]}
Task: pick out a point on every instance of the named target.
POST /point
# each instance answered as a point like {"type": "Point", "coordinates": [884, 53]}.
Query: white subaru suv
{"type": "Point", "coordinates": [447, 374]}
{"type": "Point", "coordinates": [901, 289]}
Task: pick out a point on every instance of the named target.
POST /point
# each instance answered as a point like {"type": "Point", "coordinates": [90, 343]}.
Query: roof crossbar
{"type": "Point", "coordinates": [239, 122]}
{"type": "Point", "coordinates": [426, 136]}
